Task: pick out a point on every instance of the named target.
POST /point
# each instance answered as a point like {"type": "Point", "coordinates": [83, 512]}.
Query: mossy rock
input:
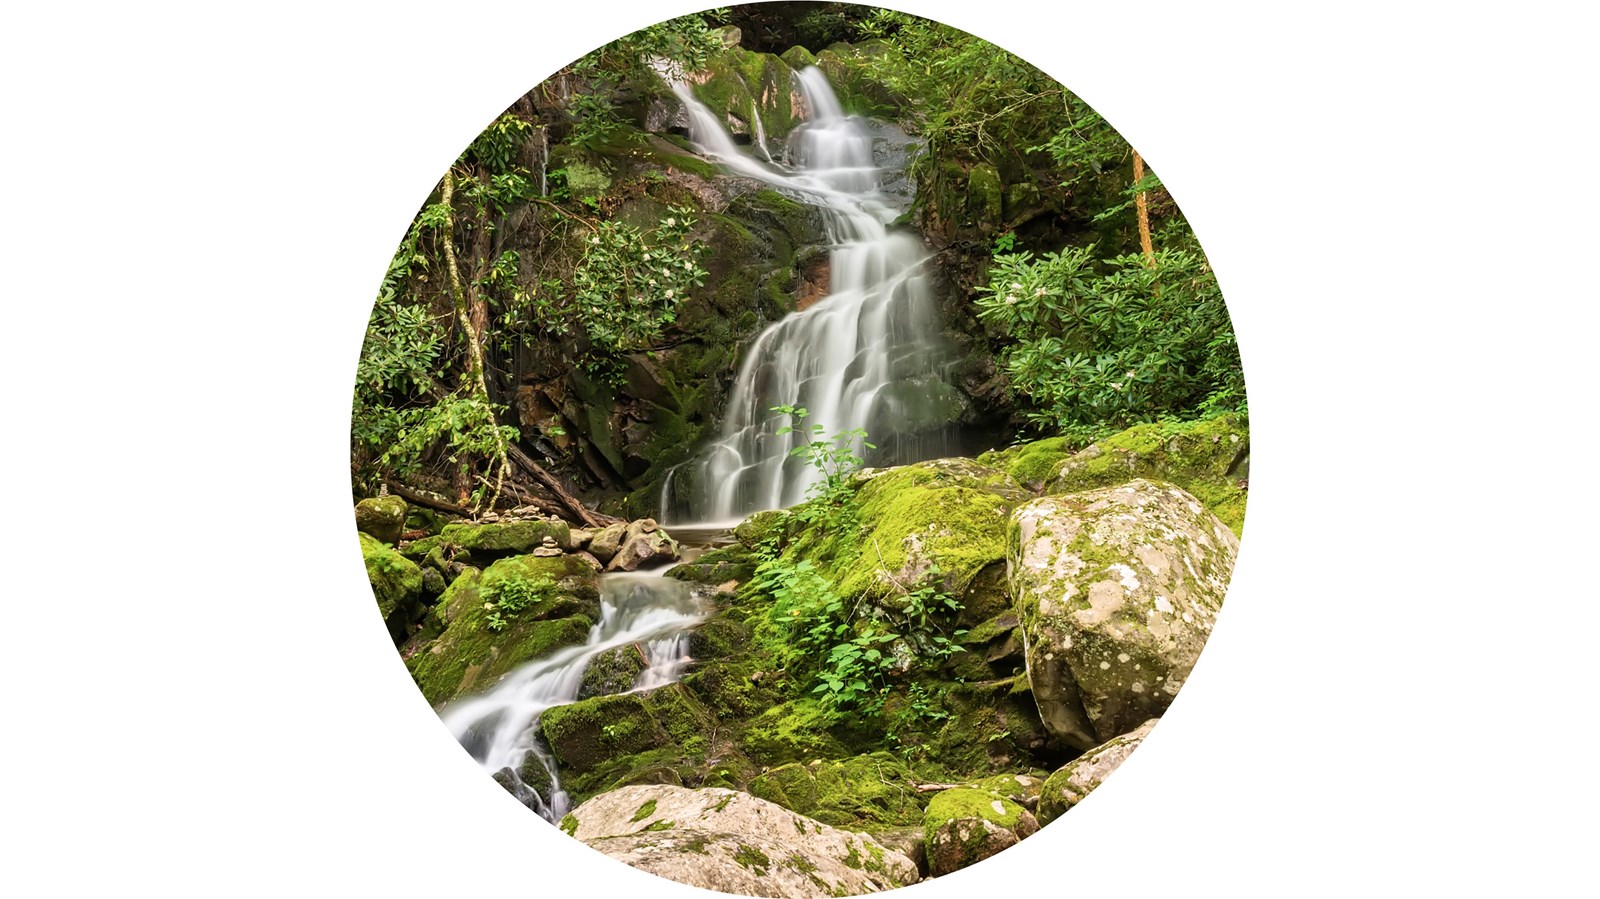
{"type": "Point", "coordinates": [964, 826]}
{"type": "Point", "coordinates": [740, 85]}
{"type": "Point", "coordinates": [1118, 589]}
{"type": "Point", "coordinates": [1207, 458]}
{"type": "Point", "coordinates": [944, 513]}
{"type": "Point", "coordinates": [795, 731]}
{"type": "Point", "coordinates": [864, 792]}
{"type": "Point", "coordinates": [575, 589]}
{"type": "Point", "coordinates": [487, 540]}
{"type": "Point", "coordinates": [1031, 464]}
{"type": "Point", "coordinates": [586, 734]}
{"type": "Point", "coordinates": [763, 526]}
{"type": "Point", "coordinates": [985, 198]}
{"type": "Point", "coordinates": [396, 585]}
{"type": "Point", "coordinates": [382, 517]}
{"type": "Point", "coordinates": [613, 671]}
{"type": "Point", "coordinates": [469, 656]}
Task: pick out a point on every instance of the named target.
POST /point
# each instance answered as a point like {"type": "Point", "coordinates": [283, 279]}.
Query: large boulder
{"type": "Point", "coordinates": [1117, 589]}
{"type": "Point", "coordinates": [1078, 778]}
{"type": "Point", "coordinates": [943, 515]}
{"type": "Point", "coordinates": [605, 543]}
{"type": "Point", "coordinates": [383, 517]}
{"type": "Point", "coordinates": [964, 826]}
{"type": "Point", "coordinates": [612, 671]}
{"type": "Point", "coordinates": [396, 584]}
{"type": "Point", "coordinates": [730, 841]}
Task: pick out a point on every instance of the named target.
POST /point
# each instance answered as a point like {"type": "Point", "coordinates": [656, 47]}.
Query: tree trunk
{"type": "Point", "coordinates": [548, 481]}
{"type": "Point", "coordinates": [1143, 209]}
{"type": "Point", "coordinates": [469, 328]}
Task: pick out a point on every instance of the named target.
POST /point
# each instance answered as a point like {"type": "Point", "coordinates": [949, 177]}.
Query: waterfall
{"type": "Point", "coordinates": [868, 355]}
{"type": "Point", "coordinates": [500, 728]}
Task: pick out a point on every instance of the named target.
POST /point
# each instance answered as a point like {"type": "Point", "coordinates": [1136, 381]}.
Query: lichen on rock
{"type": "Point", "coordinates": [1118, 589]}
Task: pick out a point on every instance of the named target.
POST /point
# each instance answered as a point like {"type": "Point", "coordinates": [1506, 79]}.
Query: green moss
{"type": "Point", "coordinates": [645, 811]}
{"type": "Point", "coordinates": [658, 825]}
{"type": "Point", "coordinates": [1031, 464]}
{"type": "Point", "coordinates": [569, 824]}
{"type": "Point", "coordinates": [396, 585]}
{"type": "Point", "coordinates": [752, 858]}
{"type": "Point", "coordinates": [791, 732]}
{"type": "Point", "coordinates": [866, 792]}
{"type": "Point", "coordinates": [468, 653]}
{"type": "Point", "coordinates": [965, 802]}
{"type": "Point", "coordinates": [382, 517]}
{"type": "Point", "coordinates": [1202, 457]}
{"type": "Point", "coordinates": [507, 537]}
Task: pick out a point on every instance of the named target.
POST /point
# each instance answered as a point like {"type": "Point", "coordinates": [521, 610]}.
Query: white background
{"type": "Point", "coordinates": [200, 199]}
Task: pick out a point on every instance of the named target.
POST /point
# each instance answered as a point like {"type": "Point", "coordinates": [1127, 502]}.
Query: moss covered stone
{"type": "Point", "coordinates": [396, 585]}
{"type": "Point", "coordinates": [964, 826]}
{"type": "Point", "coordinates": [1031, 464]}
{"type": "Point", "coordinates": [487, 540]}
{"type": "Point", "coordinates": [1207, 458]}
{"type": "Point", "coordinates": [468, 655]}
{"type": "Point", "coordinates": [612, 671]}
{"type": "Point", "coordinates": [864, 792]}
{"type": "Point", "coordinates": [586, 734]}
{"type": "Point", "coordinates": [792, 732]}
{"type": "Point", "coordinates": [382, 517]}
{"type": "Point", "coordinates": [1117, 590]}
{"type": "Point", "coordinates": [944, 513]}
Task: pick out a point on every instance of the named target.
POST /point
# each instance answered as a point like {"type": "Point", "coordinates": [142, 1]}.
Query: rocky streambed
{"type": "Point", "coordinates": [1083, 584]}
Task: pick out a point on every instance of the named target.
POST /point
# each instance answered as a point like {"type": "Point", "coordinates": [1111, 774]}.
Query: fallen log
{"type": "Point", "coordinates": [423, 499]}
{"type": "Point", "coordinates": [547, 481]}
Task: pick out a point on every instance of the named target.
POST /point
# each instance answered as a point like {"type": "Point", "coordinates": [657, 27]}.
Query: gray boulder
{"type": "Point", "coordinates": [1117, 589]}
{"type": "Point", "coordinates": [725, 840]}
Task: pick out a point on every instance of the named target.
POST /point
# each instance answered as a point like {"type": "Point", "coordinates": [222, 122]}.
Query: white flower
{"type": "Point", "coordinates": [669, 293]}
{"type": "Point", "coordinates": [671, 221]}
{"type": "Point", "coordinates": [1115, 386]}
{"type": "Point", "coordinates": [1011, 300]}
{"type": "Point", "coordinates": [1131, 374]}
{"type": "Point", "coordinates": [594, 240]}
{"type": "Point", "coordinates": [1016, 285]}
{"type": "Point", "coordinates": [647, 257]}
{"type": "Point", "coordinates": [1039, 292]}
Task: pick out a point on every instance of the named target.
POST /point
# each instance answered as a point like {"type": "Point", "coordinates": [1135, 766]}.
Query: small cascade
{"type": "Point", "coordinates": [500, 728]}
{"type": "Point", "coordinates": [868, 355]}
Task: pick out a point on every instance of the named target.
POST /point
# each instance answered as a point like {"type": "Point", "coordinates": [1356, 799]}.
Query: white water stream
{"type": "Point", "coordinates": [501, 728]}
{"type": "Point", "coordinates": [857, 358]}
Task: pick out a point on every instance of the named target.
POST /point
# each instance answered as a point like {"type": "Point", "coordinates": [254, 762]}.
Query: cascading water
{"type": "Point", "coordinates": [501, 728]}
{"type": "Point", "coordinates": [869, 355]}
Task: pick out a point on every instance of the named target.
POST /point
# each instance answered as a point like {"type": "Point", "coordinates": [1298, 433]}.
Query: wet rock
{"type": "Point", "coordinates": [1117, 589]}
{"type": "Point", "coordinates": [612, 671]}
{"type": "Point", "coordinates": [725, 840]}
{"type": "Point", "coordinates": [486, 541]}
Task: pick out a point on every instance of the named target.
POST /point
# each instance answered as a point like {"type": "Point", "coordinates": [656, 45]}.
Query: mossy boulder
{"type": "Point", "coordinates": [396, 585]}
{"type": "Point", "coordinates": [1031, 464]}
{"type": "Point", "coordinates": [469, 655]}
{"type": "Point", "coordinates": [948, 514]}
{"type": "Point", "coordinates": [613, 671]}
{"type": "Point", "coordinates": [1078, 778]}
{"type": "Point", "coordinates": [487, 541]}
{"type": "Point", "coordinates": [1209, 458]}
{"type": "Point", "coordinates": [762, 527]}
{"type": "Point", "coordinates": [1117, 589]}
{"type": "Point", "coordinates": [587, 734]}
{"type": "Point", "coordinates": [795, 731]}
{"type": "Point", "coordinates": [382, 517]}
{"type": "Point", "coordinates": [985, 198]}
{"type": "Point", "coordinates": [864, 792]}
{"type": "Point", "coordinates": [965, 825]}
{"type": "Point", "coordinates": [718, 566]}
{"type": "Point", "coordinates": [732, 842]}
{"type": "Point", "coordinates": [753, 93]}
